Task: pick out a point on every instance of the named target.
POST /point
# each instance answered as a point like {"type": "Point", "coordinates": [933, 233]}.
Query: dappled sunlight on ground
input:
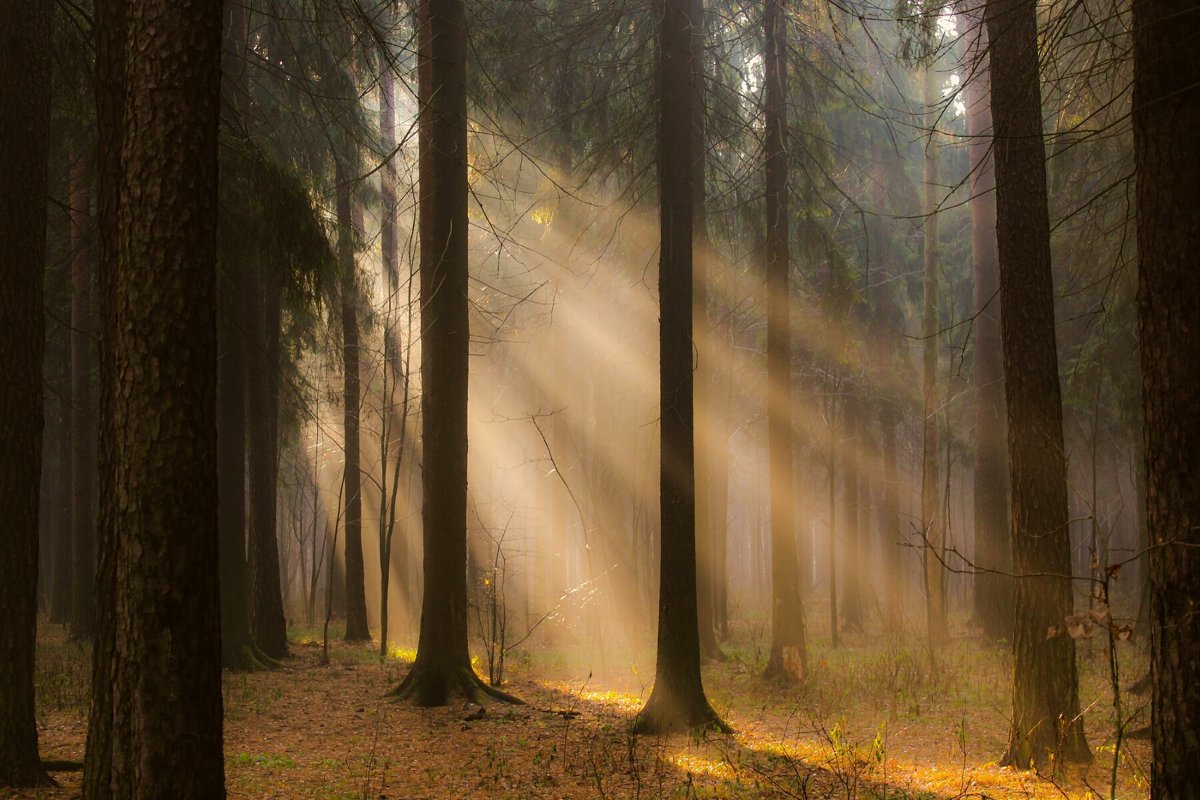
{"type": "Point", "coordinates": [877, 722]}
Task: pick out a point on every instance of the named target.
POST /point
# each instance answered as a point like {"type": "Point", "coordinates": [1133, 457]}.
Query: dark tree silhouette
{"type": "Point", "coordinates": [1045, 718]}
{"type": "Point", "coordinates": [268, 627]}
{"type": "Point", "coordinates": [789, 655]}
{"type": "Point", "coordinates": [443, 664]}
{"type": "Point", "coordinates": [1166, 103]}
{"type": "Point", "coordinates": [110, 21]}
{"type": "Point", "coordinates": [678, 700]}
{"type": "Point", "coordinates": [24, 153]}
{"type": "Point", "coordinates": [355, 585]}
{"type": "Point", "coordinates": [237, 651]}
{"type": "Point", "coordinates": [167, 675]}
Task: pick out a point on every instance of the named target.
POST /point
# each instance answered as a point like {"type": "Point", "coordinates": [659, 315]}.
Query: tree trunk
{"type": "Point", "coordinates": [110, 24]}
{"type": "Point", "coordinates": [1045, 718]}
{"type": "Point", "coordinates": [168, 646]}
{"type": "Point", "coordinates": [268, 627]}
{"type": "Point", "coordinates": [789, 655]}
{"type": "Point", "coordinates": [677, 700]}
{"type": "Point", "coordinates": [1166, 101]}
{"type": "Point", "coordinates": [355, 582]}
{"type": "Point", "coordinates": [83, 413]}
{"type": "Point", "coordinates": [931, 486]}
{"type": "Point", "coordinates": [24, 152]}
{"type": "Point", "coordinates": [387, 241]}
{"type": "Point", "coordinates": [237, 651]}
{"type": "Point", "coordinates": [443, 664]}
{"type": "Point", "coordinates": [993, 592]}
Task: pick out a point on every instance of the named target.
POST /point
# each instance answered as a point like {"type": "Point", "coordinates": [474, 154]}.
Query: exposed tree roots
{"type": "Point", "coordinates": [664, 714]}
{"type": "Point", "coordinates": [428, 686]}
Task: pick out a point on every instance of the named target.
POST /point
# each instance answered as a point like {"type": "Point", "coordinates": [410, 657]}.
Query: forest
{"type": "Point", "coordinates": [600, 399]}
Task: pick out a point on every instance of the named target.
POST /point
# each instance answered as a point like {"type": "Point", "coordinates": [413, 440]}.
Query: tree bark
{"type": "Point", "coordinates": [993, 592]}
{"type": "Point", "coordinates": [268, 627]}
{"type": "Point", "coordinates": [789, 654]}
{"type": "Point", "coordinates": [110, 21]}
{"type": "Point", "coordinates": [167, 660]}
{"type": "Point", "coordinates": [443, 664]}
{"type": "Point", "coordinates": [677, 700]}
{"type": "Point", "coordinates": [387, 243]}
{"type": "Point", "coordinates": [1166, 101]}
{"type": "Point", "coordinates": [1045, 717]}
{"type": "Point", "coordinates": [24, 152]}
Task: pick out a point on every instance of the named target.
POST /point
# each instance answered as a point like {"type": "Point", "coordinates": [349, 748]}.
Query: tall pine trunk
{"type": "Point", "coordinates": [110, 21]}
{"type": "Point", "coordinates": [789, 654]}
{"type": "Point", "coordinates": [1045, 718]}
{"type": "Point", "coordinates": [268, 627]}
{"type": "Point", "coordinates": [355, 582]}
{"type": "Point", "coordinates": [232, 322]}
{"type": "Point", "coordinates": [443, 664]}
{"type": "Point", "coordinates": [387, 241]}
{"type": "Point", "coordinates": [1166, 101]}
{"type": "Point", "coordinates": [677, 700]}
{"type": "Point", "coordinates": [24, 154]}
{"type": "Point", "coordinates": [168, 648]}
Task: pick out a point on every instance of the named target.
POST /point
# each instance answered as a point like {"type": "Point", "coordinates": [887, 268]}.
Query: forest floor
{"type": "Point", "coordinates": [878, 720]}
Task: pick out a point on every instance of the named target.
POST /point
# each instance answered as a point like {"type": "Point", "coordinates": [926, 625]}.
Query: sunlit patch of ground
{"type": "Point", "coordinates": [877, 721]}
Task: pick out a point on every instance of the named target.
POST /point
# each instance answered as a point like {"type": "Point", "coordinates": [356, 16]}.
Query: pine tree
{"type": "Point", "coordinates": [1166, 103]}
{"type": "Point", "coordinates": [24, 154]}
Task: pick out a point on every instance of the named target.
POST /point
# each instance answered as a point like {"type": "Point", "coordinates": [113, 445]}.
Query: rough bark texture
{"type": "Point", "coordinates": [110, 19]}
{"type": "Point", "coordinates": [677, 700]}
{"type": "Point", "coordinates": [24, 127]}
{"type": "Point", "coordinates": [993, 592]}
{"type": "Point", "coordinates": [1045, 717]}
{"type": "Point", "coordinates": [789, 655]}
{"type": "Point", "coordinates": [83, 413]}
{"type": "Point", "coordinates": [167, 665]}
{"type": "Point", "coordinates": [1166, 102]}
{"type": "Point", "coordinates": [931, 485]}
{"type": "Point", "coordinates": [443, 665]}
{"type": "Point", "coordinates": [268, 627]}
